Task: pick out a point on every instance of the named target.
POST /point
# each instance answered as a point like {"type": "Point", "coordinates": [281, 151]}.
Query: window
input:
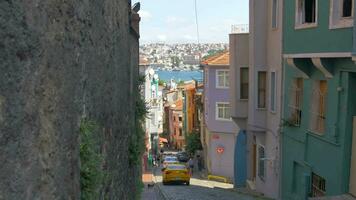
{"type": "Point", "coordinates": [318, 186]}
{"type": "Point", "coordinates": [222, 79]}
{"type": "Point", "coordinates": [341, 14]}
{"type": "Point", "coordinates": [295, 102]}
{"type": "Point", "coordinates": [273, 92]}
{"type": "Point", "coordinates": [180, 131]}
{"type": "Point", "coordinates": [274, 13]}
{"type": "Point", "coordinates": [180, 119]}
{"type": "Point", "coordinates": [318, 106]}
{"type": "Point", "coordinates": [347, 8]}
{"type": "Point", "coordinates": [244, 83]}
{"type": "Point", "coordinates": [261, 95]}
{"type": "Point", "coordinates": [223, 111]}
{"type": "Point", "coordinates": [306, 12]}
{"type": "Point", "coordinates": [261, 162]}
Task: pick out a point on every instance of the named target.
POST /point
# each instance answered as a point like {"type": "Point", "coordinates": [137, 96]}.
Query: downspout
{"type": "Point", "coordinates": [280, 131]}
{"type": "Point", "coordinates": [354, 36]}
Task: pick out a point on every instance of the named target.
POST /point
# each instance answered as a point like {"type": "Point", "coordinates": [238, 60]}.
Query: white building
{"type": "Point", "coordinates": [153, 97]}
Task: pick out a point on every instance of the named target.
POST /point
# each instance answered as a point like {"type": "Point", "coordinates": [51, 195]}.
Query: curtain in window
{"type": "Point", "coordinates": [261, 90]}
{"type": "Point", "coordinates": [244, 83]}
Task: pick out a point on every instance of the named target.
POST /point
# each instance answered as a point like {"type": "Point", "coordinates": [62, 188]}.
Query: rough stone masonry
{"type": "Point", "coordinates": [60, 60]}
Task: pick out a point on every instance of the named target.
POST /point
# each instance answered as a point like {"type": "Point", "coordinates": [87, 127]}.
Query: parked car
{"type": "Point", "coordinates": [175, 173]}
{"type": "Point", "coordinates": [183, 156]}
{"type": "Point", "coordinates": [169, 160]}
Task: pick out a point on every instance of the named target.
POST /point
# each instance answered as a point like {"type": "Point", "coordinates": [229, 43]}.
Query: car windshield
{"type": "Point", "coordinates": [170, 159]}
{"type": "Point", "coordinates": [176, 167]}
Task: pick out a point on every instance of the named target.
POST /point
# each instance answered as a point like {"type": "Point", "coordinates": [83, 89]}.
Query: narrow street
{"type": "Point", "coordinates": [199, 189]}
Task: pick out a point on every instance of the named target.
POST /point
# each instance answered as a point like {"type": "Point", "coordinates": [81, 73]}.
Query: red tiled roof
{"type": "Point", "coordinates": [143, 61]}
{"type": "Point", "coordinates": [222, 58]}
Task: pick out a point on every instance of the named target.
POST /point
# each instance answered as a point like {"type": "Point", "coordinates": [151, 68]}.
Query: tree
{"type": "Point", "coordinates": [193, 143]}
{"type": "Point", "coordinates": [161, 82]}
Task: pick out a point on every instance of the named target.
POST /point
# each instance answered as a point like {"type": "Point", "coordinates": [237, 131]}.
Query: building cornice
{"type": "Point", "coordinates": [319, 55]}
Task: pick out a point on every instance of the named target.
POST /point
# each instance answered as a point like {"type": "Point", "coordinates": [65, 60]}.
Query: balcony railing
{"type": "Point", "coordinates": [240, 28]}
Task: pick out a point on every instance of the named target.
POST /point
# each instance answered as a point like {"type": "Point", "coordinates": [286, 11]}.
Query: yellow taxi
{"type": "Point", "coordinates": [175, 173]}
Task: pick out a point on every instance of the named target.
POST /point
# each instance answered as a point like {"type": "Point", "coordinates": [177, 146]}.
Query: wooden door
{"type": "Point", "coordinates": [353, 161]}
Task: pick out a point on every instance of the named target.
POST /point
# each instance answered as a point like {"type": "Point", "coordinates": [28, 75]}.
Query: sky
{"type": "Point", "coordinates": [173, 21]}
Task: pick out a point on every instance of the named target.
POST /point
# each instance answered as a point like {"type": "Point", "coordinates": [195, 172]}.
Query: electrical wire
{"type": "Point", "coordinates": [196, 21]}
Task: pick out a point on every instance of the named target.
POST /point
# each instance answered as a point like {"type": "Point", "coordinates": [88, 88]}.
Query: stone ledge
{"type": "Point", "coordinates": [341, 197]}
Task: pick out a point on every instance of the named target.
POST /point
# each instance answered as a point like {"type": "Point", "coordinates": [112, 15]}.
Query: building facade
{"type": "Point", "coordinates": [256, 85]}
{"type": "Point", "coordinates": [220, 131]}
{"type": "Point", "coordinates": [319, 112]}
{"type": "Point", "coordinates": [152, 93]}
{"type": "Point", "coordinates": [177, 137]}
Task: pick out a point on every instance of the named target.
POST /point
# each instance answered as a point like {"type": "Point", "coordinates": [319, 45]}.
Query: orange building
{"type": "Point", "coordinates": [176, 124]}
{"type": "Point", "coordinates": [189, 110]}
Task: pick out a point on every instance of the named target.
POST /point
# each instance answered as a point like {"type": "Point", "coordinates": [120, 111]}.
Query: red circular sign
{"type": "Point", "coordinates": [220, 150]}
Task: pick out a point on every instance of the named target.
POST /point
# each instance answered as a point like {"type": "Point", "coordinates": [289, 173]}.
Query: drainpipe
{"type": "Point", "coordinates": [280, 129]}
{"type": "Point", "coordinates": [354, 36]}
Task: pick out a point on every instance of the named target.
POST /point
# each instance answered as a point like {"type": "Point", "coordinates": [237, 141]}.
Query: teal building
{"type": "Point", "coordinates": [319, 100]}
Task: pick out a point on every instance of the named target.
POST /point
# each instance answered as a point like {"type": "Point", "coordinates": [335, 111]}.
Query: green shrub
{"type": "Point", "coordinates": [91, 174]}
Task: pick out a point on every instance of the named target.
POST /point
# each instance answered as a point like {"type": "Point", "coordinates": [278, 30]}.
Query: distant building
{"type": "Point", "coordinates": [153, 96]}
{"type": "Point", "coordinates": [177, 138]}
{"type": "Point", "coordinates": [220, 131]}
{"type": "Point", "coordinates": [191, 60]}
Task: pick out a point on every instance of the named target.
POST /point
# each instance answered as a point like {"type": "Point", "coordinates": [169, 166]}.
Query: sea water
{"type": "Point", "coordinates": [166, 75]}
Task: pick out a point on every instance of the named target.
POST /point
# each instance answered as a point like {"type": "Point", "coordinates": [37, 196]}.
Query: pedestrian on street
{"type": "Point", "coordinates": [200, 163]}
{"type": "Point", "coordinates": [191, 165]}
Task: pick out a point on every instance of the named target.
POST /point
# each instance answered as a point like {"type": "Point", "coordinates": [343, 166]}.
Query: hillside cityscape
{"type": "Point", "coordinates": [182, 57]}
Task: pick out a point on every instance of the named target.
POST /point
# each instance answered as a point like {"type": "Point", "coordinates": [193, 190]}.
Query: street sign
{"type": "Point", "coordinates": [220, 150]}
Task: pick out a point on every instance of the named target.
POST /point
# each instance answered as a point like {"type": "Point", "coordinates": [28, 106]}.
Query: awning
{"type": "Point", "coordinates": [163, 140]}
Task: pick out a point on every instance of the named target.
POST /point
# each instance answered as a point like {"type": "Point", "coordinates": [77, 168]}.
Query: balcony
{"type": "Point", "coordinates": [239, 73]}
{"type": "Point", "coordinates": [240, 28]}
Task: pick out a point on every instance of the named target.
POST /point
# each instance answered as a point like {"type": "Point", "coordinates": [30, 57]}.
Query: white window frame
{"type": "Point", "coordinates": [226, 80]}
{"type": "Point", "coordinates": [273, 108]}
{"type": "Point", "coordinates": [217, 111]}
{"type": "Point", "coordinates": [336, 20]}
{"type": "Point", "coordinates": [259, 159]}
{"type": "Point", "coordinates": [274, 14]}
{"type": "Point", "coordinates": [299, 18]}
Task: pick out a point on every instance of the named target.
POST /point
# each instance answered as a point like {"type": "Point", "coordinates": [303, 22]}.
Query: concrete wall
{"type": "Point", "coordinates": [258, 59]}
{"type": "Point", "coordinates": [239, 57]}
{"type": "Point", "coordinates": [61, 60]}
{"type": "Point", "coordinates": [222, 164]}
{"type": "Point", "coordinates": [265, 54]}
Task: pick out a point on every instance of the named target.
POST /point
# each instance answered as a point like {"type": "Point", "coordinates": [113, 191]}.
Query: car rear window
{"type": "Point", "coordinates": [170, 159]}
{"type": "Point", "coordinates": [176, 167]}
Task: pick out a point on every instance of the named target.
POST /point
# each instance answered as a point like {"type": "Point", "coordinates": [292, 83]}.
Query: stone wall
{"type": "Point", "coordinates": [60, 61]}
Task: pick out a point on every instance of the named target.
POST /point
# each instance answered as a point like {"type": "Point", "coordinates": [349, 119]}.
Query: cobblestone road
{"type": "Point", "coordinates": [200, 189]}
